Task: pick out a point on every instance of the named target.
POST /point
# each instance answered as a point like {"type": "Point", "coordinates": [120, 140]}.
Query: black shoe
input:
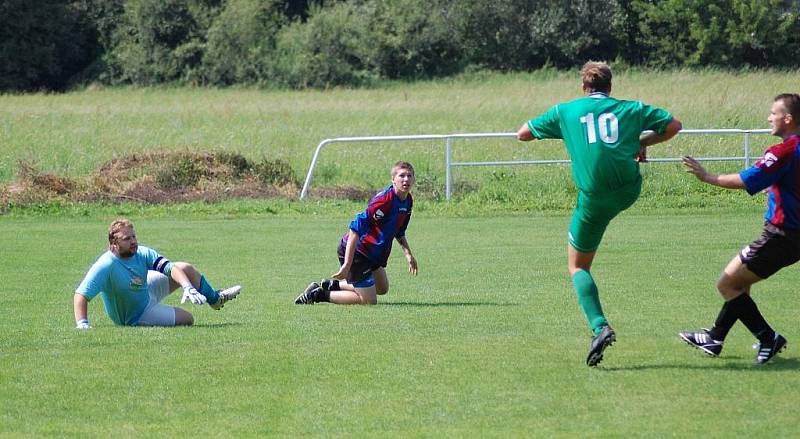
{"type": "Point", "coordinates": [766, 352]}
{"type": "Point", "coordinates": [600, 342]}
{"type": "Point", "coordinates": [326, 284]}
{"type": "Point", "coordinates": [703, 341]}
{"type": "Point", "coordinates": [309, 296]}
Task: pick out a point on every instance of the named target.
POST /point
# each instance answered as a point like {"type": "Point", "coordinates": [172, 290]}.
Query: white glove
{"type": "Point", "coordinates": [192, 295]}
{"type": "Point", "coordinates": [83, 324]}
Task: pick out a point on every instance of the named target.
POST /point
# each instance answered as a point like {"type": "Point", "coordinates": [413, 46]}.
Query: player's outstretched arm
{"type": "Point", "coordinates": [728, 181]}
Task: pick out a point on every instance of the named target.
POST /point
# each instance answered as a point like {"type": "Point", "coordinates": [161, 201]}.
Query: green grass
{"type": "Point", "coordinates": [72, 134]}
{"type": "Point", "coordinates": [486, 342]}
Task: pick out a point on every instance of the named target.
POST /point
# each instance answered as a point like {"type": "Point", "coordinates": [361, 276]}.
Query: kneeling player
{"type": "Point", "coordinates": [364, 249]}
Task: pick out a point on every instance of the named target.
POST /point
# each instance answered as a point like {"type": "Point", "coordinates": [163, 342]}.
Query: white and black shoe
{"type": "Point", "coordinates": [766, 352]}
{"type": "Point", "coordinates": [703, 341]}
{"type": "Point", "coordinates": [226, 295]}
{"type": "Point", "coordinates": [309, 296]}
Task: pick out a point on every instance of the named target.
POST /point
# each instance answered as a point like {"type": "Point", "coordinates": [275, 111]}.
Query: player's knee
{"type": "Point", "coordinates": [727, 288]}
{"type": "Point", "coordinates": [183, 318]}
{"type": "Point", "coordinates": [382, 289]}
{"type": "Point", "coordinates": [186, 267]}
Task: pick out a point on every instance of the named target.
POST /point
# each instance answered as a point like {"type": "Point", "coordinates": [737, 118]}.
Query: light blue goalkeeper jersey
{"type": "Point", "coordinates": [122, 283]}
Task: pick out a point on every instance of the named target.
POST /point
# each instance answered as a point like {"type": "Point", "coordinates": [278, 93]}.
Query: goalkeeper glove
{"type": "Point", "coordinates": [192, 295]}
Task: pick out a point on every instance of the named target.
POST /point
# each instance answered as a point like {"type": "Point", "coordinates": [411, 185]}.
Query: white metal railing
{"type": "Point", "coordinates": [449, 163]}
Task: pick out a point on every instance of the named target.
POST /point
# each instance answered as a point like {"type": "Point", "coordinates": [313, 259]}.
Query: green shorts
{"type": "Point", "coordinates": [593, 213]}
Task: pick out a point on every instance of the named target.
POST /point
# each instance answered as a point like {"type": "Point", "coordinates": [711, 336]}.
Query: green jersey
{"type": "Point", "coordinates": [602, 137]}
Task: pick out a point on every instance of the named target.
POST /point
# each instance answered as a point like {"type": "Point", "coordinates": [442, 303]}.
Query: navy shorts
{"type": "Point", "coordinates": [362, 268]}
{"type": "Point", "coordinates": [775, 249]}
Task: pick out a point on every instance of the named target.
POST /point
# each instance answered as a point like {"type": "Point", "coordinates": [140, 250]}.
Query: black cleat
{"type": "Point", "coordinates": [600, 342]}
{"type": "Point", "coordinates": [703, 341]}
{"type": "Point", "coordinates": [326, 284]}
{"type": "Point", "coordinates": [766, 352]}
{"type": "Point", "coordinates": [309, 296]}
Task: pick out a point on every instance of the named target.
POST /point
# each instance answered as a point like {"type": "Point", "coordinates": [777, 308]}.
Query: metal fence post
{"type": "Point", "coordinates": [747, 149]}
{"type": "Point", "coordinates": [448, 177]}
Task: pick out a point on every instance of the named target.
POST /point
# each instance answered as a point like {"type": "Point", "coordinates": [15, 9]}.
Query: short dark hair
{"type": "Point", "coordinates": [596, 76]}
{"type": "Point", "coordinates": [402, 165]}
{"type": "Point", "coordinates": [791, 101]}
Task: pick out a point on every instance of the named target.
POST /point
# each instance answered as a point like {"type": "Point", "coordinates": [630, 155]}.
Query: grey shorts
{"type": "Point", "coordinates": [157, 314]}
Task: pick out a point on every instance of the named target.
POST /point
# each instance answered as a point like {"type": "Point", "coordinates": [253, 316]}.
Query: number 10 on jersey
{"type": "Point", "coordinates": [607, 125]}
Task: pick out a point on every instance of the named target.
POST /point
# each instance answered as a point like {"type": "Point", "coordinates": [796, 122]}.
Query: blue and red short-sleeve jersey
{"type": "Point", "coordinates": [385, 219]}
{"type": "Point", "coordinates": [778, 170]}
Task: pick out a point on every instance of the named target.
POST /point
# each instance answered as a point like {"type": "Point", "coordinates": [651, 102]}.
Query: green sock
{"type": "Point", "coordinates": [589, 300]}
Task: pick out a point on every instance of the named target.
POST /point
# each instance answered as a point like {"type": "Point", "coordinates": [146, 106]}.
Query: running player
{"type": "Point", "coordinates": [779, 244]}
{"type": "Point", "coordinates": [364, 249]}
{"type": "Point", "coordinates": [604, 139]}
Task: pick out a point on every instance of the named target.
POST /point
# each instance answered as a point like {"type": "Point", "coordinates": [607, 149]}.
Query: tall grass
{"type": "Point", "coordinates": [72, 134]}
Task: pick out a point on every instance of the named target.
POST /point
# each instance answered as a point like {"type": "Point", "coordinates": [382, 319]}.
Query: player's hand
{"type": "Point", "coordinates": [642, 156]}
{"type": "Point", "coordinates": [412, 264]}
{"type": "Point", "coordinates": [694, 167]}
{"type": "Point", "coordinates": [342, 273]}
{"type": "Point", "coordinates": [192, 295]}
{"type": "Point", "coordinates": [83, 324]}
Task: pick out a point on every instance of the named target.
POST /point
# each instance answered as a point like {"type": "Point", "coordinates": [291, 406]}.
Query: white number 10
{"type": "Point", "coordinates": [607, 124]}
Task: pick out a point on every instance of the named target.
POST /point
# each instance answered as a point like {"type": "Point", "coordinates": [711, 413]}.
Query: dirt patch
{"type": "Point", "coordinates": [168, 177]}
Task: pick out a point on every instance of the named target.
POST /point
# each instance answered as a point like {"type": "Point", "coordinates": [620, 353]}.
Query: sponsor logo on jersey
{"type": "Point", "coordinates": [378, 215]}
{"type": "Point", "coordinates": [769, 159]}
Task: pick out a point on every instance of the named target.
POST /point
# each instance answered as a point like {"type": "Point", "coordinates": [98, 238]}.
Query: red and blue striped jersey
{"type": "Point", "coordinates": [385, 219]}
{"type": "Point", "coordinates": [778, 169]}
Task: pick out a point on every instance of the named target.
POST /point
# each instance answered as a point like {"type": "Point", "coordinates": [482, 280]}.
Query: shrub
{"type": "Point", "coordinates": [241, 42]}
{"type": "Point", "coordinates": [327, 50]}
{"type": "Point", "coordinates": [179, 173]}
{"type": "Point", "coordinates": [411, 40]}
{"type": "Point", "coordinates": [160, 41]}
{"type": "Point", "coordinates": [43, 44]}
{"type": "Point", "coordinates": [724, 33]}
{"type": "Point", "coordinates": [524, 34]}
{"type": "Point", "coordinates": [274, 172]}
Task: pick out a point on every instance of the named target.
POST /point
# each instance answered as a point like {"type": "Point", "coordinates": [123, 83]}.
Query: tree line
{"type": "Point", "coordinates": [56, 45]}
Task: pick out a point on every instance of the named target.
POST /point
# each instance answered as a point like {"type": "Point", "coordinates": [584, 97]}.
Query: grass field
{"type": "Point", "coordinates": [74, 133]}
{"type": "Point", "coordinates": [486, 342]}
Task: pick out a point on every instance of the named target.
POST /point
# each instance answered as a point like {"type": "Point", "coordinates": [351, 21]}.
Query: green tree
{"type": "Point", "coordinates": [161, 41]}
{"type": "Point", "coordinates": [528, 34]}
{"type": "Point", "coordinates": [329, 49]}
{"type": "Point", "coordinates": [241, 42]}
{"type": "Point", "coordinates": [43, 44]}
{"type": "Point", "coordinates": [726, 33]}
{"type": "Point", "coordinates": [410, 39]}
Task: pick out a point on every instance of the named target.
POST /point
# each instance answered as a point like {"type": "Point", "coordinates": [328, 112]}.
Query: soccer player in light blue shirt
{"type": "Point", "coordinates": [133, 280]}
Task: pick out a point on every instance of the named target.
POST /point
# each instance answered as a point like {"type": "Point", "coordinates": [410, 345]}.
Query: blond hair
{"type": "Point", "coordinates": [402, 165]}
{"type": "Point", "coordinates": [115, 227]}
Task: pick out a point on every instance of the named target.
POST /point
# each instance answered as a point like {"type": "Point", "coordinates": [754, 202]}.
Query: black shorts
{"type": "Point", "coordinates": [775, 249]}
{"type": "Point", "coordinates": [362, 267]}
